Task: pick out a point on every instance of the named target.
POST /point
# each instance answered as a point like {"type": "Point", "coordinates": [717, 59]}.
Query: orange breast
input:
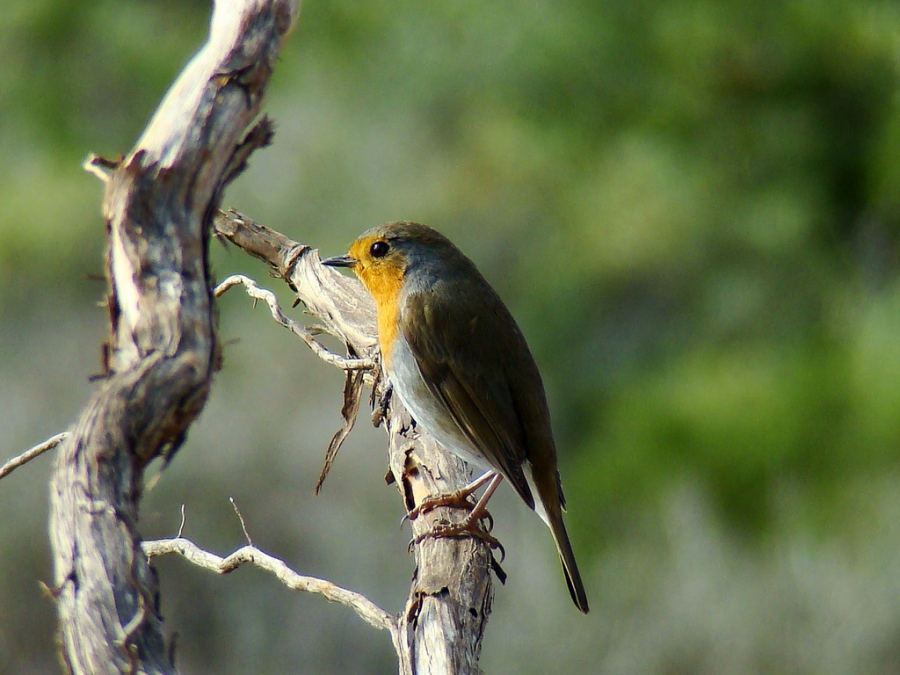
{"type": "Point", "coordinates": [384, 283]}
{"type": "Point", "coordinates": [388, 328]}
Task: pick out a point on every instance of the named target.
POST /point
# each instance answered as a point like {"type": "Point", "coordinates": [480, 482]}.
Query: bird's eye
{"type": "Point", "coordinates": [379, 249]}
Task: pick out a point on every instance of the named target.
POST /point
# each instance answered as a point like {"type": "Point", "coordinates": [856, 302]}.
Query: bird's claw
{"type": "Point", "coordinates": [456, 500]}
{"type": "Point", "coordinates": [464, 528]}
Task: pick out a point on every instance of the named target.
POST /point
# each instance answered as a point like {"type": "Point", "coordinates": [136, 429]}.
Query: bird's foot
{"type": "Point", "coordinates": [468, 527]}
{"type": "Point", "coordinates": [456, 500]}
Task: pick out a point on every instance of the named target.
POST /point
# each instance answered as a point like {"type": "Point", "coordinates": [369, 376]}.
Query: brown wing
{"type": "Point", "coordinates": [498, 404]}
{"type": "Point", "coordinates": [464, 357]}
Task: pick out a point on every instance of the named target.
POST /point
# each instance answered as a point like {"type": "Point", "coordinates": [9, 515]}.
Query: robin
{"type": "Point", "coordinates": [459, 363]}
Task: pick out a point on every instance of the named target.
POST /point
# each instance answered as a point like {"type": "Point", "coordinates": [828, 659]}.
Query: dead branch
{"type": "Point", "coordinates": [268, 297]}
{"type": "Point", "coordinates": [250, 554]}
{"type": "Point", "coordinates": [162, 348]}
{"type": "Point", "coordinates": [31, 453]}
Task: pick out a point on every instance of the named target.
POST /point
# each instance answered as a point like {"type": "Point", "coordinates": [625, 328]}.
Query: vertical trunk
{"type": "Point", "coordinates": [162, 351]}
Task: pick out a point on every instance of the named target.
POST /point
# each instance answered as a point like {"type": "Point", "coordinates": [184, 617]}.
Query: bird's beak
{"type": "Point", "coordinates": [340, 261]}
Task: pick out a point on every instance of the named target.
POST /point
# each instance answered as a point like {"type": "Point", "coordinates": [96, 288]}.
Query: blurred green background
{"type": "Point", "coordinates": [693, 208]}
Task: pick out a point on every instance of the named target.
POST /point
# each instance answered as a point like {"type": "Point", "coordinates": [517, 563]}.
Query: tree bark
{"type": "Point", "coordinates": [162, 350]}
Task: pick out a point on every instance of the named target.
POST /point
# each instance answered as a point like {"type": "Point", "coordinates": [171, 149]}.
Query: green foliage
{"type": "Point", "coordinates": [693, 207]}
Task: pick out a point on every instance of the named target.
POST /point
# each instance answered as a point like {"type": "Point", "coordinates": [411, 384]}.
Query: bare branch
{"type": "Point", "coordinates": [343, 305]}
{"type": "Point", "coordinates": [267, 296]}
{"type": "Point", "coordinates": [29, 455]}
{"type": "Point", "coordinates": [365, 608]}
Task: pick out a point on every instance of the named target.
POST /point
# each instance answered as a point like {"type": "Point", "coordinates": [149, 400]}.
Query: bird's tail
{"type": "Point", "coordinates": [549, 506]}
{"type": "Point", "coordinates": [570, 567]}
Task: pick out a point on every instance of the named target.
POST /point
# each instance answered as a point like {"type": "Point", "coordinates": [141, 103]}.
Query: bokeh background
{"type": "Point", "coordinates": [693, 208]}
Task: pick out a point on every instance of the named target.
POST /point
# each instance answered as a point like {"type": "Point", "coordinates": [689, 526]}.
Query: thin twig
{"type": "Point", "coordinates": [29, 455]}
{"type": "Point", "coordinates": [365, 608]}
{"type": "Point", "coordinates": [181, 527]}
{"type": "Point", "coordinates": [241, 518]}
{"type": "Point", "coordinates": [267, 296]}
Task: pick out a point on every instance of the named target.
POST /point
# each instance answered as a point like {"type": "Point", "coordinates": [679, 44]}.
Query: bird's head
{"type": "Point", "coordinates": [382, 256]}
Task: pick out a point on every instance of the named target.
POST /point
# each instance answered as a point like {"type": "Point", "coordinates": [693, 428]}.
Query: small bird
{"type": "Point", "coordinates": [459, 363]}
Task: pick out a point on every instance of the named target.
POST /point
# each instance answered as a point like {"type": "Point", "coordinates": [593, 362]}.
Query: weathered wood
{"type": "Point", "coordinates": [449, 603]}
{"type": "Point", "coordinates": [450, 598]}
{"type": "Point", "coordinates": [250, 554]}
{"type": "Point", "coordinates": [162, 349]}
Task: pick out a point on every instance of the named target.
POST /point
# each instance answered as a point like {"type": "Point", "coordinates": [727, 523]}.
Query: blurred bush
{"type": "Point", "coordinates": [691, 206]}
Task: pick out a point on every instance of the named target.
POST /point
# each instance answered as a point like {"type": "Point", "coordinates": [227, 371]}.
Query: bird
{"type": "Point", "coordinates": [459, 363]}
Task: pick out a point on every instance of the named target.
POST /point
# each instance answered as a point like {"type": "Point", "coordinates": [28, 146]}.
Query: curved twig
{"type": "Point", "coordinates": [365, 608]}
{"type": "Point", "coordinates": [267, 296]}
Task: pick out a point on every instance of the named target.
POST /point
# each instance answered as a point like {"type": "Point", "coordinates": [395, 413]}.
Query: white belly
{"type": "Point", "coordinates": [431, 415]}
{"type": "Point", "coordinates": [428, 411]}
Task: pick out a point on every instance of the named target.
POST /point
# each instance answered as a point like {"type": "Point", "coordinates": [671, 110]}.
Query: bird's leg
{"type": "Point", "coordinates": [480, 510]}
{"type": "Point", "coordinates": [458, 498]}
{"type": "Point", "coordinates": [469, 525]}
